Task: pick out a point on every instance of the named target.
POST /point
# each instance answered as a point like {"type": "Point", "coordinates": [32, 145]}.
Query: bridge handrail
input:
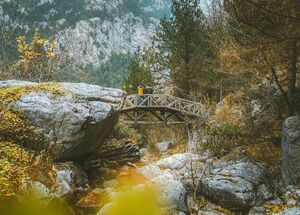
{"type": "Point", "coordinates": [162, 101]}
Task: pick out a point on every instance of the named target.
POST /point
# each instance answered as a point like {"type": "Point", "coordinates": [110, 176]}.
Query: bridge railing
{"type": "Point", "coordinates": [163, 101]}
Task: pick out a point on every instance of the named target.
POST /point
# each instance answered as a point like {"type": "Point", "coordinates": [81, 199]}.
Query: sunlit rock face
{"type": "Point", "coordinates": [75, 123]}
{"type": "Point", "coordinates": [87, 31]}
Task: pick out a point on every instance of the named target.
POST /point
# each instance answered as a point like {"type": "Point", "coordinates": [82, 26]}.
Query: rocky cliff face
{"type": "Point", "coordinates": [87, 31]}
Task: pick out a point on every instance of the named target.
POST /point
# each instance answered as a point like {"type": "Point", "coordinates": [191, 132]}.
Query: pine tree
{"type": "Point", "coordinates": [139, 74]}
{"type": "Point", "coordinates": [184, 39]}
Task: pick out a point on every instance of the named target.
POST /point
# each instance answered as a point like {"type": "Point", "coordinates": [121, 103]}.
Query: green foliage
{"type": "Point", "coordinates": [184, 38]}
{"type": "Point", "coordinates": [17, 164]}
{"type": "Point", "coordinates": [139, 74]}
{"type": "Point", "coordinates": [31, 204]}
{"type": "Point", "coordinates": [127, 132]}
{"type": "Point", "coordinates": [110, 74]}
{"type": "Point", "coordinates": [76, 12]}
{"type": "Point", "coordinates": [15, 127]}
{"type": "Point", "coordinates": [222, 138]}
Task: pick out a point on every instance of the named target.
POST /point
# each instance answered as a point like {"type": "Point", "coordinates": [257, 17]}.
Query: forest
{"type": "Point", "coordinates": [218, 134]}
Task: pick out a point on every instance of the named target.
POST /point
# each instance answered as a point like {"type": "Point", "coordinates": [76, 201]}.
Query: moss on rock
{"type": "Point", "coordinates": [14, 93]}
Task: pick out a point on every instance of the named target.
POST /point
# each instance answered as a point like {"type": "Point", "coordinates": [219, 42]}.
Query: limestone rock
{"type": "Point", "coordinates": [40, 190]}
{"type": "Point", "coordinates": [172, 193]}
{"type": "Point", "coordinates": [164, 146]}
{"type": "Point", "coordinates": [291, 151]}
{"type": "Point", "coordinates": [182, 166]}
{"type": "Point", "coordinates": [75, 123]}
{"type": "Point", "coordinates": [173, 176]}
{"type": "Point", "coordinates": [290, 211]}
{"type": "Point", "coordinates": [68, 177]}
{"type": "Point", "coordinates": [238, 186]}
{"type": "Point", "coordinates": [10, 83]}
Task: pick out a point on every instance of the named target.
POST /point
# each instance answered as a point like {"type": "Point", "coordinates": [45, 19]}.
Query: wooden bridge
{"type": "Point", "coordinates": [160, 109]}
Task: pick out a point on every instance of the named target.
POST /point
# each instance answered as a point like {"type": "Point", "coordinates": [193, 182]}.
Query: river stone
{"type": "Point", "coordinates": [75, 123]}
{"type": "Point", "coordinates": [238, 186]}
{"type": "Point", "coordinates": [173, 176]}
{"type": "Point", "coordinates": [40, 190]}
{"type": "Point", "coordinates": [290, 211]}
{"type": "Point", "coordinates": [69, 177]}
{"type": "Point", "coordinates": [173, 194]}
{"type": "Point", "coordinates": [164, 146]}
{"type": "Point", "coordinates": [291, 150]}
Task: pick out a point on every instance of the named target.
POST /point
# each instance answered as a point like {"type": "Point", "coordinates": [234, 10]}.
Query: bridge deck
{"type": "Point", "coordinates": [163, 104]}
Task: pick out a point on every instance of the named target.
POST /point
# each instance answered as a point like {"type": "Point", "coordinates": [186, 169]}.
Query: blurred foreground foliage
{"type": "Point", "coordinates": [134, 195]}
{"type": "Point", "coordinates": [30, 204]}
{"type": "Point", "coordinates": [136, 201]}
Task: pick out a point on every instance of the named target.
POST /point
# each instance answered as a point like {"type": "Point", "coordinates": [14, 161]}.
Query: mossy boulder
{"type": "Point", "coordinates": [74, 118]}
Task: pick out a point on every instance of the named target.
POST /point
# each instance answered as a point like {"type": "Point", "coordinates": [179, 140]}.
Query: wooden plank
{"type": "Point", "coordinates": [157, 122]}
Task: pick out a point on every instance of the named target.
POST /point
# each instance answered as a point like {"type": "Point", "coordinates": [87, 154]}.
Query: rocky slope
{"type": "Point", "coordinates": [87, 31]}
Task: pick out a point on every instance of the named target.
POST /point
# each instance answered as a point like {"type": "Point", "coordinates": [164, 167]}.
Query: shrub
{"type": "Point", "coordinates": [36, 59]}
{"type": "Point", "coordinates": [222, 138]}
{"type": "Point", "coordinates": [14, 161]}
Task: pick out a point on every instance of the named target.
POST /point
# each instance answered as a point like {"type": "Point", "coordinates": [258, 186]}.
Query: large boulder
{"type": "Point", "coordinates": [173, 195]}
{"type": "Point", "coordinates": [77, 121]}
{"type": "Point", "coordinates": [184, 167]}
{"type": "Point", "coordinates": [291, 151]}
{"type": "Point", "coordinates": [238, 186]}
{"type": "Point", "coordinates": [174, 176]}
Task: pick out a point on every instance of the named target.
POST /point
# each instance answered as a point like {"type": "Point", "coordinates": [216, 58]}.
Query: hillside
{"type": "Point", "coordinates": [89, 33]}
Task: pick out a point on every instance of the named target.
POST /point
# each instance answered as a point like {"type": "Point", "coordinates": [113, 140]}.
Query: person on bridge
{"type": "Point", "coordinates": [140, 90]}
{"type": "Point", "coordinates": [148, 90]}
{"type": "Point", "coordinates": [142, 94]}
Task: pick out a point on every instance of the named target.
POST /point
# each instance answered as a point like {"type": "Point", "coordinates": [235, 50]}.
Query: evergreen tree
{"type": "Point", "coordinates": [185, 40]}
{"type": "Point", "coordinates": [139, 74]}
